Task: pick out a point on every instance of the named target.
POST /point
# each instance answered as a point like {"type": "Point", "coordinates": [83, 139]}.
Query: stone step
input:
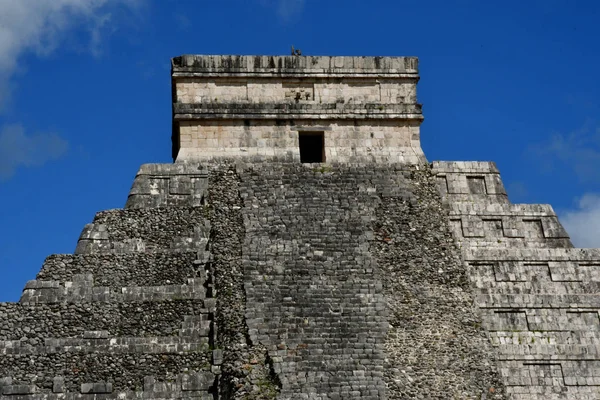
{"type": "Point", "coordinates": [121, 270]}
{"type": "Point", "coordinates": [541, 319]}
{"type": "Point", "coordinates": [35, 322]}
{"type": "Point", "coordinates": [509, 231]}
{"type": "Point", "coordinates": [551, 372]}
{"type": "Point", "coordinates": [125, 345]}
{"type": "Point", "coordinates": [111, 376]}
{"type": "Point", "coordinates": [146, 230]}
{"type": "Point", "coordinates": [169, 185]}
{"type": "Point", "coordinates": [73, 292]}
{"type": "Point", "coordinates": [577, 336]}
{"type": "Point", "coordinates": [535, 392]}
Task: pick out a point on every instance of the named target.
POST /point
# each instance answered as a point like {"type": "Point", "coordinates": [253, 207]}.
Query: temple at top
{"type": "Point", "coordinates": [309, 109]}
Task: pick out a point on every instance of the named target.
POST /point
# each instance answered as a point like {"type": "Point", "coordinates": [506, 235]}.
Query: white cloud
{"type": "Point", "coordinates": [39, 25]}
{"type": "Point", "coordinates": [583, 223]}
{"type": "Point", "coordinates": [17, 149]}
{"type": "Point", "coordinates": [286, 9]}
{"type": "Point", "coordinates": [578, 150]}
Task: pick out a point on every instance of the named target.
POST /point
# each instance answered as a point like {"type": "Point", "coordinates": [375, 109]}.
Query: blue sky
{"type": "Point", "coordinates": [85, 96]}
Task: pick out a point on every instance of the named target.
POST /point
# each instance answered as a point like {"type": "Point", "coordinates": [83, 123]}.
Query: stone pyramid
{"type": "Point", "coordinates": [302, 247]}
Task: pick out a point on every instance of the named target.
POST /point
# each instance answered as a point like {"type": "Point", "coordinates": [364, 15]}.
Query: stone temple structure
{"type": "Point", "coordinates": [302, 247]}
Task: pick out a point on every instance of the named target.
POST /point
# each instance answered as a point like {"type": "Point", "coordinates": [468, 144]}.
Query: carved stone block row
{"type": "Point", "coordinates": [461, 181]}
{"type": "Point", "coordinates": [539, 298]}
{"type": "Point", "coordinates": [162, 185]}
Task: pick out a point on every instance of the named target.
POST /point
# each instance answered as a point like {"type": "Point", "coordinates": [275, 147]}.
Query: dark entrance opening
{"type": "Point", "coordinates": [312, 147]}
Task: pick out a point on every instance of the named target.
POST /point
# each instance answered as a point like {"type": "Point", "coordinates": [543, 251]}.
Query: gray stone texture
{"type": "Point", "coordinates": [344, 288]}
{"type": "Point", "coordinates": [538, 296]}
{"type": "Point", "coordinates": [287, 294]}
{"type": "Point", "coordinates": [121, 270]}
{"type": "Point", "coordinates": [249, 275]}
{"type": "Point", "coordinates": [129, 316]}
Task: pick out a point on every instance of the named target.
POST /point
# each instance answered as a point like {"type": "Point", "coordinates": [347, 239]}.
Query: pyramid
{"type": "Point", "coordinates": [302, 247]}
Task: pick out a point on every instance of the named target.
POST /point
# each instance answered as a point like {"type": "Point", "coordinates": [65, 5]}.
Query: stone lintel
{"type": "Point", "coordinates": [310, 128]}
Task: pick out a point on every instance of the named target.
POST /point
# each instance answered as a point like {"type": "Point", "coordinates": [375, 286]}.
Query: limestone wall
{"type": "Point", "coordinates": [255, 107]}
{"type": "Point", "coordinates": [539, 297]}
{"type": "Point", "coordinates": [279, 90]}
{"type": "Point", "coordinates": [384, 141]}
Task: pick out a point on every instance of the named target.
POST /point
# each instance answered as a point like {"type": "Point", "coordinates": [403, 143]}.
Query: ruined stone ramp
{"type": "Point", "coordinates": [435, 347]}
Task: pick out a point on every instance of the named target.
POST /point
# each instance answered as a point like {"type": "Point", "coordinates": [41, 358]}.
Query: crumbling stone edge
{"type": "Point", "coordinates": [247, 370]}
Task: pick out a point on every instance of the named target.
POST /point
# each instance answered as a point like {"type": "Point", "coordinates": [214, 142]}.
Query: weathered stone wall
{"type": "Point", "coordinates": [283, 280]}
{"type": "Point", "coordinates": [255, 107]}
{"type": "Point", "coordinates": [278, 90]}
{"type": "Point", "coordinates": [355, 287]}
{"type": "Point", "coordinates": [436, 348]}
{"type": "Point", "coordinates": [314, 296]}
{"type": "Point", "coordinates": [538, 296]}
{"type": "Point", "coordinates": [246, 370]}
{"type": "Point", "coordinates": [145, 230]}
{"type": "Point", "coordinates": [130, 316]}
{"type": "Point", "coordinates": [122, 270]}
{"type": "Point", "coordinates": [380, 140]}
{"type": "Point", "coordinates": [275, 285]}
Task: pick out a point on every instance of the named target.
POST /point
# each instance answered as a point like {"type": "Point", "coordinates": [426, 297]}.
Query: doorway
{"type": "Point", "coordinates": [312, 147]}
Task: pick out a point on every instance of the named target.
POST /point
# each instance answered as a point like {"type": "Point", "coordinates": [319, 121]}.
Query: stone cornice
{"type": "Point", "coordinates": [289, 66]}
{"type": "Point", "coordinates": [295, 111]}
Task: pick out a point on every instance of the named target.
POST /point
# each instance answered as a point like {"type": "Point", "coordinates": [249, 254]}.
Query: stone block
{"type": "Point", "coordinates": [513, 227]}
{"type": "Point", "coordinates": [217, 356]}
{"type": "Point", "coordinates": [58, 384]}
{"type": "Point", "coordinates": [95, 334]}
{"type": "Point", "coordinates": [553, 229]}
{"type": "Point", "coordinates": [16, 390]}
{"type": "Point", "coordinates": [96, 388]}
{"type": "Point", "coordinates": [200, 381]}
{"type": "Point", "coordinates": [472, 227]}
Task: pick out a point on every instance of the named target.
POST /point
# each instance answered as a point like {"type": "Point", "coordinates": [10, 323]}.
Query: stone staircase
{"type": "Point", "coordinates": [344, 289]}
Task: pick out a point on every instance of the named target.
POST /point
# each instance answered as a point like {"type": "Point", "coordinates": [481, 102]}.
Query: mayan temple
{"type": "Point", "coordinates": [301, 246]}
